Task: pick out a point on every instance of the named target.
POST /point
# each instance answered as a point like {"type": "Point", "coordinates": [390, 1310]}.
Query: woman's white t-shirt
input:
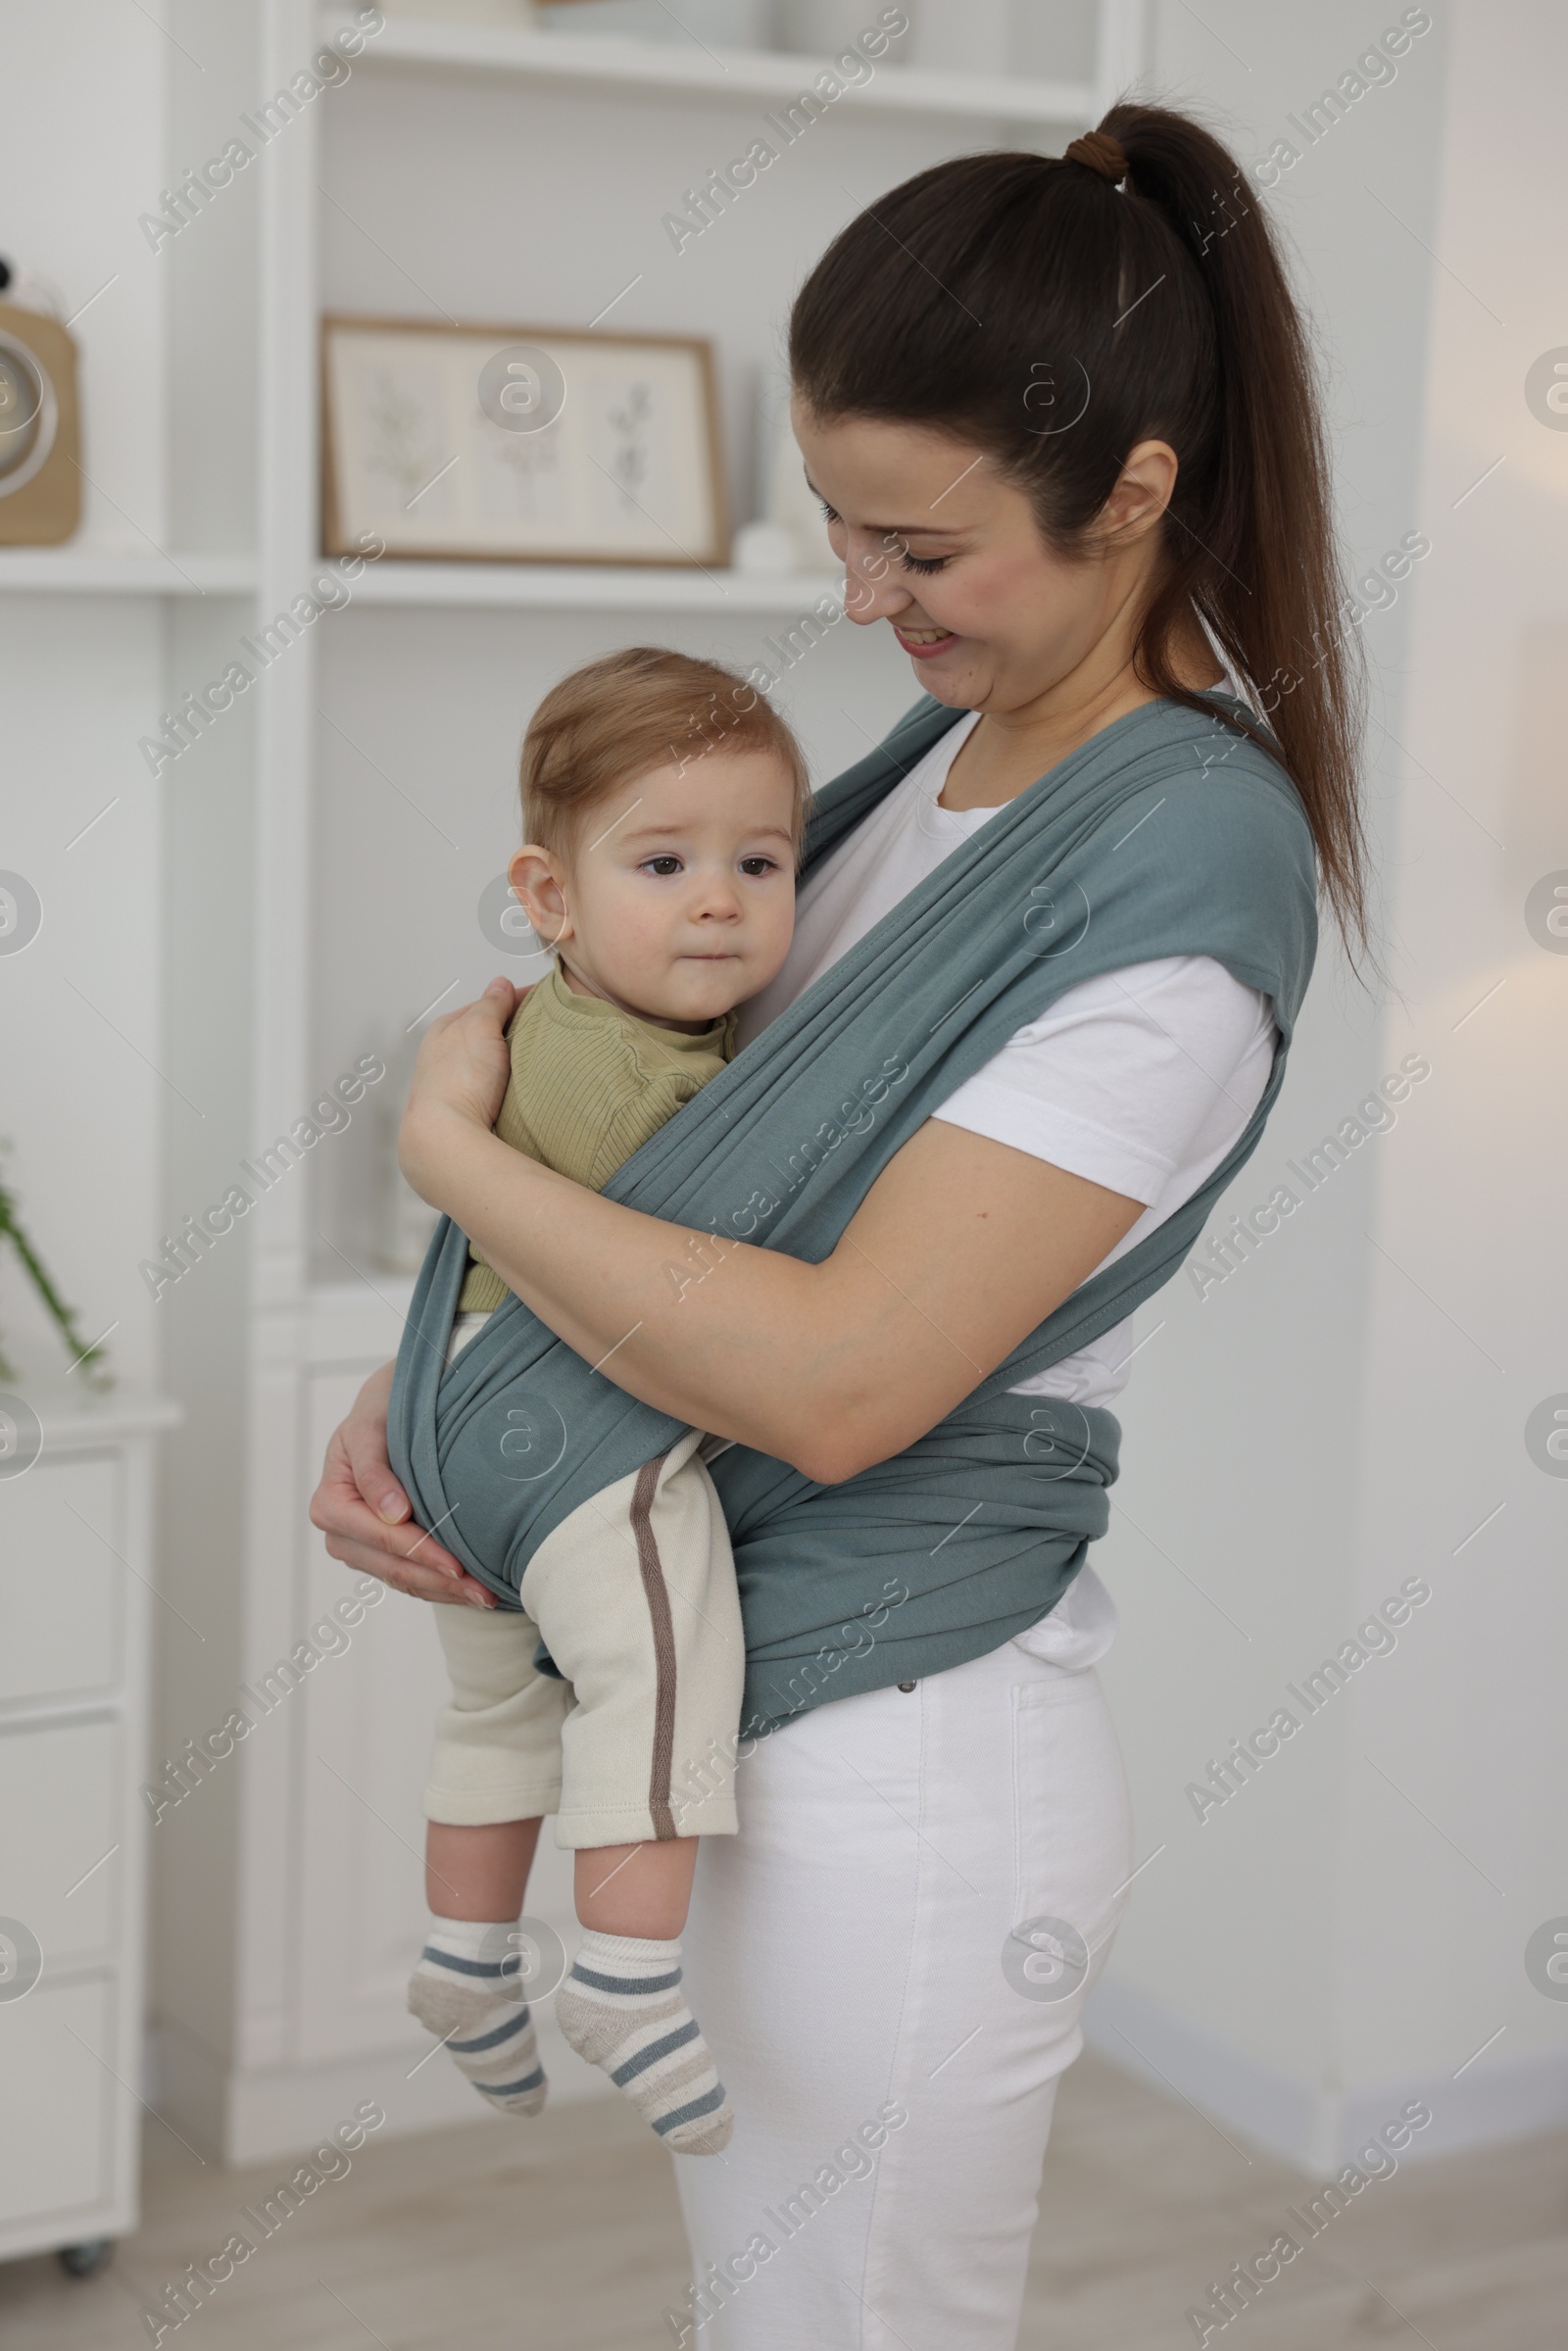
{"type": "Point", "coordinates": [1141, 1081]}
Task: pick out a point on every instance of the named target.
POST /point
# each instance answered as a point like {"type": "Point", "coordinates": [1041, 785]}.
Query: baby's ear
{"type": "Point", "coordinates": [536, 877]}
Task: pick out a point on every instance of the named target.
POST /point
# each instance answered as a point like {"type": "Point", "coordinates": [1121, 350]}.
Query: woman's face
{"type": "Point", "coordinates": [950, 555]}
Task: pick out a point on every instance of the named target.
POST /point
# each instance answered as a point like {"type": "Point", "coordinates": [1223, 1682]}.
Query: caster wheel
{"type": "Point", "coordinates": [85, 2261]}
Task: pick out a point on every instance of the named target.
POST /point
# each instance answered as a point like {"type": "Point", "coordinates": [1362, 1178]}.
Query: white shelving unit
{"type": "Point", "coordinates": [377, 807]}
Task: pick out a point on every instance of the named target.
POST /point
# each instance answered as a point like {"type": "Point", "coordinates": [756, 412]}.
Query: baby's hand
{"type": "Point", "coordinates": [462, 1071]}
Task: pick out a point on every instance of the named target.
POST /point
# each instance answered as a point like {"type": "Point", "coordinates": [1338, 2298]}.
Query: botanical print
{"type": "Point", "coordinates": [521, 473]}
{"type": "Point", "coordinates": [406, 441]}
{"type": "Point", "coordinates": [630, 419]}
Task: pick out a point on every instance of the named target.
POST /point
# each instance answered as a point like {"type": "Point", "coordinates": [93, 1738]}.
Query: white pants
{"type": "Point", "coordinates": [852, 1958]}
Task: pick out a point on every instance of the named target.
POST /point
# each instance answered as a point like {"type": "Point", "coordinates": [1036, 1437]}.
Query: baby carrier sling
{"type": "Point", "coordinates": [1169, 833]}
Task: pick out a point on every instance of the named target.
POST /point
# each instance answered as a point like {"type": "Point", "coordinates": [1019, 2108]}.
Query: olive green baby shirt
{"type": "Point", "coordinates": [589, 1085]}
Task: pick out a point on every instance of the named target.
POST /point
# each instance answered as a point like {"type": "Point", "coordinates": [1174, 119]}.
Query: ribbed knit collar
{"type": "Point", "coordinates": [717, 1038]}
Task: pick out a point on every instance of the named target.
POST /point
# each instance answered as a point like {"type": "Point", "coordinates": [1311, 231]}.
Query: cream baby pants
{"type": "Point", "coordinates": [634, 1598]}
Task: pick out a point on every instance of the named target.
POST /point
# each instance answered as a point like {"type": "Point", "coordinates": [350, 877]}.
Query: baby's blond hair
{"type": "Point", "coordinates": [622, 716]}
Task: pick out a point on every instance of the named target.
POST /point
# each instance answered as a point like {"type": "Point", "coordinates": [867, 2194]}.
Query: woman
{"type": "Point", "coordinates": [1061, 418]}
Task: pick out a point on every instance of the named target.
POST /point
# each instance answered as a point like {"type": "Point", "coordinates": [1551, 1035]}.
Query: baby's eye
{"type": "Point", "coordinates": [753, 867]}
{"type": "Point", "coordinates": [662, 866]}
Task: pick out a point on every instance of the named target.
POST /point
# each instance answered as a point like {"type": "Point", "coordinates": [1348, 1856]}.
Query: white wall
{"type": "Point", "coordinates": [1342, 1413]}
{"type": "Point", "coordinates": [1467, 1337]}
{"type": "Point", "coordinates": [79, 682]}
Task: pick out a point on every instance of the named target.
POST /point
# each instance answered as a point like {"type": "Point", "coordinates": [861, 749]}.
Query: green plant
{"type": "Point", "coordinates": [63, 1317]}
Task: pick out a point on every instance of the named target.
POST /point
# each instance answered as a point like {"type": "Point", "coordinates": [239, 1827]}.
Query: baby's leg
{"type": "Point", "coordinates": [478, 1870]}
{"type": "Point", "coordinates": [636, 1889]}
{"type": "Point", "coordinates": [495, 1772]}
{"type": "Point", "coordinates": [635, 1595]}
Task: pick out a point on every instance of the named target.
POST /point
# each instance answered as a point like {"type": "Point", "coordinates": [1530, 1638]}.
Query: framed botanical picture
{"type": "Point", "coordinates": [520, 444]}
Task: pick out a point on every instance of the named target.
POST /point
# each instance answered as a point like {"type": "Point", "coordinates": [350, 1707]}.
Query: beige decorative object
{"type": "Point", "coordinates": [40, 437]}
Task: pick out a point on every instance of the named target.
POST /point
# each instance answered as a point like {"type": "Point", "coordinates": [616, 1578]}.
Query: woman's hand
{"type": "Point", "coordinates": [365, 1514]}
{"type": "Point", "coordinates": [459, 1076]}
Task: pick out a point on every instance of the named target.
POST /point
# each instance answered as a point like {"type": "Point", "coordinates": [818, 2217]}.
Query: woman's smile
{"type": "Point", "coordinates": [921, 643]}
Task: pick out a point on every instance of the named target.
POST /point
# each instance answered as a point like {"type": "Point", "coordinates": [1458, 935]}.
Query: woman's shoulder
{"type": "Point", "coordinates": [1221, 786]}
{"type": "Point", "coordinates": [1208, 852]}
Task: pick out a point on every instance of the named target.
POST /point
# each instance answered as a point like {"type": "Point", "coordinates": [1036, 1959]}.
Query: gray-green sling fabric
{"type": "Point", "coordinates": [1170, 833]}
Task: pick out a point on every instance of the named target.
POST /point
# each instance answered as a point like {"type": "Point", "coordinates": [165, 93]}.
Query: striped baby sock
{"type": "Point", "coordinates": [622, 2008]}
{"type": "Point", "coordinates": [462, 1991]}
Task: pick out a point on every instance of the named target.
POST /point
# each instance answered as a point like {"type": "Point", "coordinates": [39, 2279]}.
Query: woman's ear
{"type": "Point", "coordinates": [538, 882]}
{"type": "Point", "coordinates": [1143, 491]}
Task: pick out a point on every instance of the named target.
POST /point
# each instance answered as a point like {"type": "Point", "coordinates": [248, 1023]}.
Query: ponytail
{"type": "Point", "coordinates": [1037, 309]}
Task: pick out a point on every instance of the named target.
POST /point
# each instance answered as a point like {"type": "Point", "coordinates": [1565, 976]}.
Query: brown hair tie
{"type": "Point", "coordinates": [1101, 152]}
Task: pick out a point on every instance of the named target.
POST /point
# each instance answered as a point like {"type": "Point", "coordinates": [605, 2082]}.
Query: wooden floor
{"type": "Point", "coordinates": [563, 2235]}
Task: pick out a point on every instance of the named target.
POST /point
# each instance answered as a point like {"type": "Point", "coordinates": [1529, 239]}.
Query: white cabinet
{"type": "Point", "coordinates": [75, 1569]}
{"type": "Point", "coordinates": [61, 1588]}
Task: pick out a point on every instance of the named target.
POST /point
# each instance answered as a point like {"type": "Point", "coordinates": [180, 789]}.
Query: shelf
{"type": "Point", "coordinates": [593, 587]}
{"type": "Point", "coordinates": [700, 72]}
{"type": "Point", "coordinates": [80, 572]}
{"type": "Point", "coordinates": [74, 1416]}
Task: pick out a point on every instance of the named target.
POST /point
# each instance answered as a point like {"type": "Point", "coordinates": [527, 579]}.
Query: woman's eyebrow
{"type": "Point", "coordinates": [901, 530]}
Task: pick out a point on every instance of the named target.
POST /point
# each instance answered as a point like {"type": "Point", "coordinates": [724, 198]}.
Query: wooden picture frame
{"type": "Point", "coordinates": [519, 444]}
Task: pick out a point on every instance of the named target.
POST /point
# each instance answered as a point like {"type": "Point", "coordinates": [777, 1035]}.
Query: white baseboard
{"type": "Point", "coordinates": [255, 2116]}
{"type": "Point", "coordinates": [276, 2111]}
{"type": "Point", "coordinates": [1319, 2129]}
{"type": "Point", "coordinates": [1500, 2098]}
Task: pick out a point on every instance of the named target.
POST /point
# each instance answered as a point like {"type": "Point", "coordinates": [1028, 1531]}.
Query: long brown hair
{"type": "Point", "coordinates": [1054, 319]}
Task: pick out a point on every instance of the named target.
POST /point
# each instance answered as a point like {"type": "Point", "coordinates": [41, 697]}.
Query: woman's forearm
{"type": "Point", "coordinates": [962, 1246]}
{"type": "Point", "coordinates": [723, 1336]}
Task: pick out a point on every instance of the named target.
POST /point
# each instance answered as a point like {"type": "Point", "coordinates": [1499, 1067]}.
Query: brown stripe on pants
{"type": "Point", "coordinates": [656, 1596]}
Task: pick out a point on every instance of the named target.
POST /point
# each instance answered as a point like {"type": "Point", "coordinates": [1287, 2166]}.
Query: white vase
{"type": "Point", "coordinates": [765, 549]}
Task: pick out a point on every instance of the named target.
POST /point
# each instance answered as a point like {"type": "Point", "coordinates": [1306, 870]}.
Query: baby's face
{"type": "Point", "coordinates": [678, 899]}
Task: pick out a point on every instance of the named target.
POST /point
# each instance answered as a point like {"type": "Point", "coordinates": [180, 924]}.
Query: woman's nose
{"type": "Point", "coordinates": [873, 589]}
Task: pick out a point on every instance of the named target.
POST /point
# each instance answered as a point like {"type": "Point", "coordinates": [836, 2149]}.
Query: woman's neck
{"type": "Point", "coordinates": [1008, 751]}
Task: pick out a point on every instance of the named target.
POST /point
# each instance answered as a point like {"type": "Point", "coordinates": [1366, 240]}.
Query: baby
{"type": "Point", "coordinates": [663, 804]}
